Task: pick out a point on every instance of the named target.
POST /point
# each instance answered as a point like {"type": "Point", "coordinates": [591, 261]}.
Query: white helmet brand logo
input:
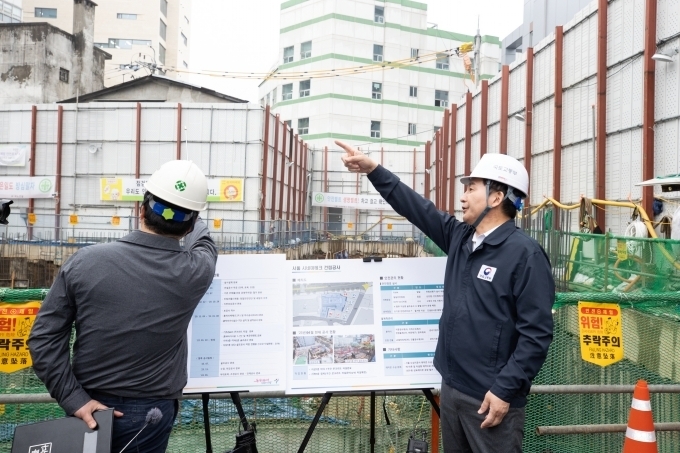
{"type": "Point", "coordinates": [180, 186]}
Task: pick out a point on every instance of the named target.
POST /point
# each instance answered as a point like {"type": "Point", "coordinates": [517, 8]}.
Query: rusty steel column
{"type": "Point", "coordinates": [301, 152]}
{"type": "Point", "coordinates": [289, 197]}
{"type": "Point", "coordinates": [648, 105]}
{"type": "Point", "coordinates": [178, 154]}
{"type": "Point", "coordinates": [31, 162]}
{"type": "Point", "coordinates": [305, 160]}
{"type": "Point", "coordinates": [468, 131]}
{"type": "Point", "coordinates": [601, 135]}
{"type": "Point", "coordinates": [292, 174]}
{"type": "Point", "coordinates": [452, 162]}
{"type": "Point", "coordinates": [528, 117]}
{"type": "Point", "coordinates": [414, 169]}
{"type": "Point", "coordinates": [57, 185]}
{"type": "Point", "coordinates": [265, 168]}
{"type": "Point", "coordinates": [557, 137]}
{"type": "Point", "coordinates": [282, 177]}
{"type": "Point", "coordinates": [426, 190]}
{"type": "Point", "coordinates": [434, 434]}
{"type": "Point", "coordinates": [138, 155]}
{"type": "Point", "coordinates": [445, 162]}
{"type": "Point", "coordinates": [437, 169]}
{"type": "Point", "coordinates": [325, 184]}
{"type": "Point", "coordinates": [382, 155]}
{"type": "Point", "coordinates": [277, 123]}
{"type": "Point", "coordinates": [505, 96]}
{"type": "Point", "coordinates": [483, 129]}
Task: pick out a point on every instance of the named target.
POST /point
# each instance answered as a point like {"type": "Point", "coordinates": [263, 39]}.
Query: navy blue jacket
{"type": "Point", "coordinates": [496, 325]}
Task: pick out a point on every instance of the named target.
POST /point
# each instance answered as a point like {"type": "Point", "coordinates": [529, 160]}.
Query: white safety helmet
{"type": "Point", "coordinates": [501, 168]}
{"type": "Point", "coordinates": [181, 183]}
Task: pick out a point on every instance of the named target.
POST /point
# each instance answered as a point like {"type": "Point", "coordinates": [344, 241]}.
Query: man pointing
{"type": "Point", "coordinates": [496, 324]}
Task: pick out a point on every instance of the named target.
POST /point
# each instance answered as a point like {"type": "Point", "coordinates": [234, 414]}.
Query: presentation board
{"type": "Point", "coordinates": [237, 333]}
{"type": "Point", "coordinates": [355, 325]}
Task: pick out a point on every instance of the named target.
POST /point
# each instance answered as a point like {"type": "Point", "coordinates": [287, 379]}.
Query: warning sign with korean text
{"type": "Point", "coordinates": [600, 333]}
{"type": "Point", "coordinates": [16, 321]}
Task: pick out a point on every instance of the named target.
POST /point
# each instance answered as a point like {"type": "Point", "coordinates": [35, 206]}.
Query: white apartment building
{"type": "Point", "coordinates": [10, 11]}
{"type": "Point", "coordinates": [137, 34]}
{"type": "Point", "coordinates": [372, 72]}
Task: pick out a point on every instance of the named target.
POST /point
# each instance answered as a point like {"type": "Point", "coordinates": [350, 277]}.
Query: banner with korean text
{"type": "Point", "coordinates": [342, 200]}
{"type": "Point", "coordinates": [13, 155]}
{"type": "Point", "coordinates": [16, 321]}
{"type": "Point", "coordinates": [600, 333]}
{"type": "Point", "coordinates": [14, 187]}
{"type": "Point", "coordinates": [130, 189]}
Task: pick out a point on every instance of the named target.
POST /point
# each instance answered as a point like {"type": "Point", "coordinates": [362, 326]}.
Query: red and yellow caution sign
{"type": "Point", "coordinates": [16, 321]}
{"type": "Point", "coordinates": [600, 333]}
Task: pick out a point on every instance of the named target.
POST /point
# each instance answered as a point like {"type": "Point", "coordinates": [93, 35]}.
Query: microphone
{"type": "Point", "coordinates": [152, 417]}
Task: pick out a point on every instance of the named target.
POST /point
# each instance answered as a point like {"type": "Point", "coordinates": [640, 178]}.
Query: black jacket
{"type": "Point", "coordinates": [496, 325]}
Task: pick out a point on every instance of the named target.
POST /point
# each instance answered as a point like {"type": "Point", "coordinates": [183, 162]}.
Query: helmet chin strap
{"type": "Point", "coordinates": [516, 201]}
{"type": "Point", "coordinates": [486, 210]}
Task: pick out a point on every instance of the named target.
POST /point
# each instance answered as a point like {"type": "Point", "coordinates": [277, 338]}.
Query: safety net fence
{"type": "Point", "coordinates": [639, 274]}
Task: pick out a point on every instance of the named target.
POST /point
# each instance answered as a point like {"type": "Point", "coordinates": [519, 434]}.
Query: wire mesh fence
{"type": "Point", "coordinates": [639, 274]}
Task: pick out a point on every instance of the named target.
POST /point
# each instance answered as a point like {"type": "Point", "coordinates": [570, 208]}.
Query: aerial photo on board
{"type": "Point", "coordinates": [332, 304]}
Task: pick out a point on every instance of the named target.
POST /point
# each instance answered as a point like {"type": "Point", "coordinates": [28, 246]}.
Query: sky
{"type": "Point", "coordinates": [231, 35]}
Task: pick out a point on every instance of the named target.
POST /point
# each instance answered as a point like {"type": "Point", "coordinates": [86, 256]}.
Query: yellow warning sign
{"type": "Point", "coordinates": [350, 226]}
{"type": "Point", "coordinates": [115, 220]}
{"type": "Point", "coordinates": [31, 218]}
{"type": "Point", "coordinates": [73, 219]}
{"type": "Point", "coordinates": [217, 223]}
{"type": "Point", "coordinates": [600, 333]}
{"type": "Point", "coordinates": [16, 321]}
{"type": "Point", "coordinates": [389, 226]}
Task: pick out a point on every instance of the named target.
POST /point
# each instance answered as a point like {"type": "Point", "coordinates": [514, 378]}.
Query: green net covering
{"type": "Point", "coordinates": [641, 275]}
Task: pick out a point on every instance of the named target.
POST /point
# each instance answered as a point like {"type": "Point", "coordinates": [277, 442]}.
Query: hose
{"type": "Point", "coordinates": [635, 229]}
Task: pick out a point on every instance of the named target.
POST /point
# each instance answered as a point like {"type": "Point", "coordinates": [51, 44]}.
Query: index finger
{"type": "Point", "coordinates": [348, 149]}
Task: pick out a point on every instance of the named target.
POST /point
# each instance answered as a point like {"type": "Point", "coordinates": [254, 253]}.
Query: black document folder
{"type": "Point", "coordinates": [65, 435]}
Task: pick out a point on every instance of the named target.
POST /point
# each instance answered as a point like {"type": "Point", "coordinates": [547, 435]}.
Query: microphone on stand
{"type": "Point", "coordinates": [152, 417]}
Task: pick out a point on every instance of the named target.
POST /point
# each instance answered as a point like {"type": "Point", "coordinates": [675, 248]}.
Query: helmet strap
{"type": "Point", "coordinates": [487, 209]}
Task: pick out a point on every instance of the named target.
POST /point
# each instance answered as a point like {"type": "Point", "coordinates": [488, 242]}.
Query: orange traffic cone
{"type": "Point", "coordinates": [640, 435]}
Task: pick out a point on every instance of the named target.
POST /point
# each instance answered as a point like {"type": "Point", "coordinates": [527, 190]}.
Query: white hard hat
{"type": "Point", "coordinates": [501, 168]}
{"type": "Point", "coordinates": [181, 183]}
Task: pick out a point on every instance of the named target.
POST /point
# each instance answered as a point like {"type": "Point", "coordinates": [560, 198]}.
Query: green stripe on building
{"type": "Point", "coordinates": [366, 61]}
{"type": "Point", "coordinates": [407, 3]}
{"type": "Point", "coordinates": [359, 99]}
{"type": "Point", "coordinates": [460, 37]}
{"type": "Point", "coordinates": [359, 138]}
{"type": "Point", "coordinates": [291, 3]}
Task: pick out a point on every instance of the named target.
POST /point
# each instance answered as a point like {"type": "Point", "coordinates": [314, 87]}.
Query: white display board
{"type": "Point", "coordinates": [236, 335]}
{"type": "Point", "coordinates": [355, 325]}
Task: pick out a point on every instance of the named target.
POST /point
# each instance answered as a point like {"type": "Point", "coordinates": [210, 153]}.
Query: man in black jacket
{"type": "Point", "coordinates": [496, 324]}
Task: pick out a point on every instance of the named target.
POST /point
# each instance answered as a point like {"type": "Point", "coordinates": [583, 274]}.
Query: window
{"type": "Point", "coordinates": [289, 123]}
{"type": "Point", "coordinates": [274, 97]}
{"type": "Point", "coordinates": [164, 30]}
{"type": "Point", "coordinates": [379, 16]}
{"type": "Point", "coordinates": [441, 98]}
{"type": "Point", "coordinates": [127, 16]}
{"type": "Point", "coordinates": [414, 53]}
{"type": "Point", "coordinates": [413, 92]}
{"type": "Point", "coordinates": [141, 42]}
{"type": "Point", "coordinates": [305, 86]}
{"type": "Point", "coordinates": [120, 43]}
{"type": "Point", "coordinates": [267, 101]}
{"type": "Point", "coordinates": [50, 13]}
{"type": "Point", "coordinates": [305, 50]}
{"type": "Point", "coordinates": [443, 61]}
{"type": "Point", "coordinates": [377, 52]}
{"type": "Point", "coordinates": [411, 129]}
{"type": "Point", "coordinates": [288, 54]}
{"type": "Point", "coordinates": [164, 7]}
{"type": "Point", "coordinates": [161, 53]}
{"type": "Point", "coordinates": [287, 92]}
{"type": "Point", "coordinates": [303, 126]}
{"type": "Point", "coordinates": [377, 90]}
{"type": "Point", "coordinates": [184, 39]}
{"type": "Point", "coordinates": [63, 75]}
{"type": "Point", "coordinates": [375, 129]}
{"type": "Point", "coordinates": [185, 64]}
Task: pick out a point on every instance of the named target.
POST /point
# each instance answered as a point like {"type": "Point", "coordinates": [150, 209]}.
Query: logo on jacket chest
{"type": "Point", "coordinates": [486, 273]}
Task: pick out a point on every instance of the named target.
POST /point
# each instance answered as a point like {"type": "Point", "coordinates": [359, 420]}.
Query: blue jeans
{"type": "Point", "coordinates": [154, 438]}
